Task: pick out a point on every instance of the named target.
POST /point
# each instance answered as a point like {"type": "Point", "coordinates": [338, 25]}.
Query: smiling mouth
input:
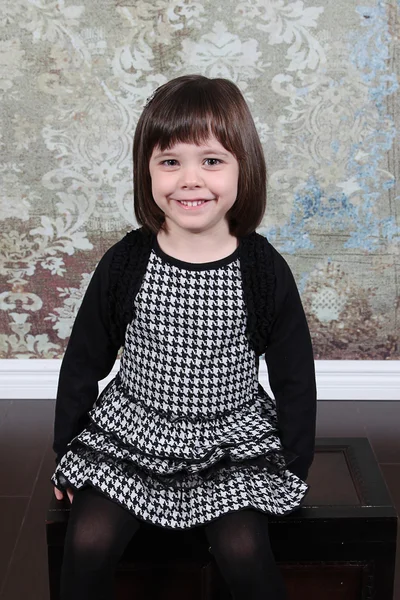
{"type": "Point", "coordinates": [193, 203]}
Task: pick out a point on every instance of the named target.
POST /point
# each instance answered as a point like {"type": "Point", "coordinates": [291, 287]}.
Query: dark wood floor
{"type": "Point", "coordinates": [27, 461]}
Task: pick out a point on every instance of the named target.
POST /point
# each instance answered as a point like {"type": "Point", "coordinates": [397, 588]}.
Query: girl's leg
{"type": "Point", "coordinates": [241, 547]}
{"type": "Point", "coordinates": [97, 534]}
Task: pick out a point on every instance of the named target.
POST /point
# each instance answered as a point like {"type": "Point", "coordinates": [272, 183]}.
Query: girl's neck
{"type": "Point", "coordinates": [196, 248]}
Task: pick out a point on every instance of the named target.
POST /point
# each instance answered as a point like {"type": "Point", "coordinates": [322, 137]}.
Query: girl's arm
{"type": "Point", "coordinates": [89, 357]}
{"type": "Point", "coordinates": [291, 373]}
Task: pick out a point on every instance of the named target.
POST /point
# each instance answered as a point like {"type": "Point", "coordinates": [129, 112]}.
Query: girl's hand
{"type": "Point", "coordinates": [60, 495]}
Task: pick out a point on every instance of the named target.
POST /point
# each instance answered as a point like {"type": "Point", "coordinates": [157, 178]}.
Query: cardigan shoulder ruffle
{"type": "Point", "coordinates": [126, 271]}
{"type": "Point", "coordinates": [259, 284]}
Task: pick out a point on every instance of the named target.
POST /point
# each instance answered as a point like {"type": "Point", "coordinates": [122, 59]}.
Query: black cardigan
{"type": "Point", "coordinates": [276, 327]}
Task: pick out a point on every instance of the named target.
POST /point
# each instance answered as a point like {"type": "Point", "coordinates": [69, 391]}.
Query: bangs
{"type": "Point", "coordinates": [192, 118]}
{"type": "Point", "coordinates": [188, 131]}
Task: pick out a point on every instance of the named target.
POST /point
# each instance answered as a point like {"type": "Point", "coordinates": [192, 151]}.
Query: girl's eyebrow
{"type": "Point", "coordinates": [204, 153]}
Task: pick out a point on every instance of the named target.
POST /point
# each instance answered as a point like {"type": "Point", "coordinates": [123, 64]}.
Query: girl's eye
{"type": "Point", "coordinates": [172, 162]}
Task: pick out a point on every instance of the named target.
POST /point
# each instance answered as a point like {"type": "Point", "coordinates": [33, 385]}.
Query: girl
{"type": "Point", "coordinates": [184, 436]}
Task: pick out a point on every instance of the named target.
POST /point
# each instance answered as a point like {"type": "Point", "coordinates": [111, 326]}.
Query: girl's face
{"type": "Point", "coordinates": [195, 186]}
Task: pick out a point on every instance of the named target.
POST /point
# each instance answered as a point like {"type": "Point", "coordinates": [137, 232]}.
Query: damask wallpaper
{"type": "Point", "coordinates": [320, 79]}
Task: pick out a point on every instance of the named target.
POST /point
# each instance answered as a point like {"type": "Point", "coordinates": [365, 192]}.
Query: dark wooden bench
{"type": "Point", "coordinates": [339, 546]}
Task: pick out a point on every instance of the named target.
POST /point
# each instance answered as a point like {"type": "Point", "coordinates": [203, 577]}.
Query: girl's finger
{"type": "Point", "coordinates": [58, 494]}
{"type": "Point", "coordinates": [70, 494]}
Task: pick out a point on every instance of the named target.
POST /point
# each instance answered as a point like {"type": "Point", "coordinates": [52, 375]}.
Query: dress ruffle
{"type": "Point", "coordinates": [195, 501]}
{"type": "Point", "coordinates": [97, 440]}
{"type": "Point", "coordinates": [193, 467]}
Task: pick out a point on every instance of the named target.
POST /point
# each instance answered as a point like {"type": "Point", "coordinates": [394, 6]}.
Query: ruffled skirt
{"type": "Point", "coordinates": [182, 472]}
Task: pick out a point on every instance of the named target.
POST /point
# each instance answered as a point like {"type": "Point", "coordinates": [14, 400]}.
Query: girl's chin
{"type": "Point", "coordinates": [193, 226]}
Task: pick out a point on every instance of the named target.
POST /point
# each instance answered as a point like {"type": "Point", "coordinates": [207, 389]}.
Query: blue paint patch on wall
{"type": "Point", "coordinates": [332, 212]}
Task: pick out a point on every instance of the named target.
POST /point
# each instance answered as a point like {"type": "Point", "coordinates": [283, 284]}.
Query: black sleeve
{"type": "Point", "coordinates": [290, 364]}
{"type": "Point", "coordinates": [89, 357]}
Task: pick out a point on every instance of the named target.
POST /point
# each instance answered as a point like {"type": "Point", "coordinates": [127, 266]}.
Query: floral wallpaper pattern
{"type": "Point", "coordinates": [320, 79]}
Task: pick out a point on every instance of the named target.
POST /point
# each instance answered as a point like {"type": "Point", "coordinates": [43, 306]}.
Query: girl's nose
{"type": "Point", "coordinates": [190, 178]}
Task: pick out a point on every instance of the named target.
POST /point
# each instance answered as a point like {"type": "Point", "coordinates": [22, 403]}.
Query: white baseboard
{"type": "Point", "coordinates": [336, 379]}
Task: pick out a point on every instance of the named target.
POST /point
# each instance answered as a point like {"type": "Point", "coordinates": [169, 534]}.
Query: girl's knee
{"type": "Point", "coordinates": [240, 549]}
{"type": "Point", "coordinates": [91, 552]}
{"type": "Point", "coordinates": [98, 532]}
{"type": "Point", "coordinates": [94, 544]}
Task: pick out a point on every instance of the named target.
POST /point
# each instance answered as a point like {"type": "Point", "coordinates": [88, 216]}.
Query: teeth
{"type": "Point", "coordinates": [195, 203]}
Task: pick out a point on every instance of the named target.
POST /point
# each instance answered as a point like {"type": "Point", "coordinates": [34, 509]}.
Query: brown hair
{"type": "Point", "coordinates": [187, 110]}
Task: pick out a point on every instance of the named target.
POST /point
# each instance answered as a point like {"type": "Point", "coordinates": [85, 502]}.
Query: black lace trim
{"type": "Point", "coordinates": [273, 462]}
{"type": "Point", "coordinates": [258, 273]}
{"type": "Point", "coordinates": [93, 427]}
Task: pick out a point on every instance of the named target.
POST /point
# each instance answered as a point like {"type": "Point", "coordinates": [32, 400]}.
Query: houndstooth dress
{"type": "Point", "coordinates": [184, 433]}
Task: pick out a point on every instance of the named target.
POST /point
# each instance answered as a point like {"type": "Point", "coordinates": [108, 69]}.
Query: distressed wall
{"type": "Point", "coordinates": [320, 79]}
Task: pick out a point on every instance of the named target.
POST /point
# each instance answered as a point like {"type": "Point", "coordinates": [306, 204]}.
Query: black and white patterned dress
{"type": "Point", "coordinates": [184, 433]}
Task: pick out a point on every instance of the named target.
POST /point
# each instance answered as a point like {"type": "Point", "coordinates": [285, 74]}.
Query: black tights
{"type": "Point", "coordinates": [99, 530]}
